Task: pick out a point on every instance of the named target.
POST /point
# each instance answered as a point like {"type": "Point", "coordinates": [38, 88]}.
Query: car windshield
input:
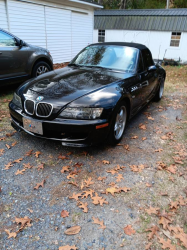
{"type": "Point", "coordinates": [107, 56]}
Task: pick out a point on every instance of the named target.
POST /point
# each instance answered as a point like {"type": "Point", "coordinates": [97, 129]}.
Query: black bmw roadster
{"type": "Point", "coordinates": [89, 101]}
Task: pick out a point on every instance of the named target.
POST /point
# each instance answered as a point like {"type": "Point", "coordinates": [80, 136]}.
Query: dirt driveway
{"type": "Point", "coordinates": [132, 196]}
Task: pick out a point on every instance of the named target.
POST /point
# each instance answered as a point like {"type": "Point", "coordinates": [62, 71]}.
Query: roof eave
{"type": "Point", "coordinates": [87, 3]}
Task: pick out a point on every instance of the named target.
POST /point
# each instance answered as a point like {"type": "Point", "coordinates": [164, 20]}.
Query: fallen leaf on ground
{"type": "Point", "coordinates": [135, 168]}
{"type": "Point", "coordinates": [41, 184]}
{"type": "Point", "coordinates": [105, 162]}
{"type": "Point", "coordinates": [150, 118]}
{"type": "Point", "coordinates": [2, 151]}
{"type": "Point", "coordinates": [14, 144]}
{"type": "Point", "coordinates": [101, 178]}
{"type": "Point", "coordinates": [7, 146]}
{"type": "Point", "coordinates": [134, 137]}
{"type": "Point", "coordinates": [89, 182]}
{"type": "Point", "coordinates": [7, 166]}
{"type": "Point", "coordinates": [65, 169]}
{"type": "Point", "coordinates": [27, 165]}
{"type": "Point", "coordinates": [148, 185]}
{"type": "Point", "coordinates": [37, 153]}
{"type": "Point", "coordinates": [20, 171]}
{"type": "Point", "coordinates": [18, 160]}
{"type": "Point", "coordinates": [84, 206]}
{"type": "Point", "coordinates": [166, 244]}
{"type": "Point", "coordinates": [87, 193]}
{"type": "Point", "coordinates": [126, 147]}
{"type": "Point", "coordinates": [41, 166]}
{"type": "Point", "coordinates": [75, 196]}
{"type": "Point", "coordinates": [152, 210]}
{"type": "Point", "coordinates": [112, 171]}
{"type": "Point", "coordinates": [182, 237]}
{"type": "Point", "coordinates": [29, 153]}
{"type": "Point", "coordinates": [67, 247]}
{"type": "Point", "coordinates": [129, 230]}
{"type": "Point", "coordinates": [64, 214]}
{"type": "Point", "coordinates": [10, 235]}
{"type": "Point", "coordinates": [172, 169]}
{"type": "Point", "coordinates": [71, 176]}
{"type": "Point", "coordinates": [165, 222]}
{"type": "Point", "coordinates": [26, 221]}
{"type": "Point", "coordinates": [144, 138]}
{"type": "Point", "coordinates": [62, 157]}
{"type": "Point", "coordinates": [159, 150]}
{"type": "Point", "coordinates": [73, 230]}
{"type": "Point", "coordinates": [119, 177]}
{"type": "Point", "coordinates": [142, 126]}
{"type": "Point", "coordinates": [147, 247]}
{"type": "Point", "coordinates": [97, 221]}
{"type": "Point", "coordinates": [154, 230]}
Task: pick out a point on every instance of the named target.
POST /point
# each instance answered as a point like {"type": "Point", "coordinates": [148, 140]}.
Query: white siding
{"type": "Point", "coordinates": [60, 26]}
{"type": "Point", "coordinates": [27, 21]}
{"type": "Point", "coordinates": [58, 29]}
{"type": "Point", "coordinates": [82, 31]}
{"type": "Point", "coordinates": [3, 16]}
{"type": "Point", "coordinates": [157, 41]}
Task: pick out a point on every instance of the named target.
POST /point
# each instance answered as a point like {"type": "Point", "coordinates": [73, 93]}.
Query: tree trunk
{"type": "Point", "coordinates": [123, 4]}
{"type": "Point", "coordinates": [100, 2]}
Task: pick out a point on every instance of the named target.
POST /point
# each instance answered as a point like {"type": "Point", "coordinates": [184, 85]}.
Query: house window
{"type": "Point", "coordinates": [175, 39]}
{"type": "Point", "coordinates": [101, 36]}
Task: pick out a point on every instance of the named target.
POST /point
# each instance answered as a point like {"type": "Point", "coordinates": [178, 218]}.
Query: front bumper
{"type": "Point", "coordinates": [78, 133]}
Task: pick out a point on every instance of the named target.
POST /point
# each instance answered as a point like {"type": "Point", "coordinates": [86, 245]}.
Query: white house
{"type": "Point", "coordinates": [64, 27]}
{"type": "Point", "coordinates": [163, 31]}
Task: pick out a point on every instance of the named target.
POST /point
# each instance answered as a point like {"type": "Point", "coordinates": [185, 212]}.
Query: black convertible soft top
{"type": "Point", "coordinates": [133, 45]}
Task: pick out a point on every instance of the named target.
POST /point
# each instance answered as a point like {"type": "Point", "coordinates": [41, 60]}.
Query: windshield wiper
{"type": "Point", "coordinates": [74, 64]}
{"type": "Point", "coordinates": [95, 66]}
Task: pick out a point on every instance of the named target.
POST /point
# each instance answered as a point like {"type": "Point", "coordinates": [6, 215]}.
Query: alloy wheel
{"type": "Point", "coordinates": [120, 123]}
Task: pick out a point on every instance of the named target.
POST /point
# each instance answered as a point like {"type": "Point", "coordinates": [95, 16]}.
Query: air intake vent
{"type": "Point", "coordinates": [43, 109]}
{"type": "Point", "coordinates": [29, 107]}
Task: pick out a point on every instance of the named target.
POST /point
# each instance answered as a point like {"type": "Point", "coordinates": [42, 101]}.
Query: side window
{"type": "Point", "coordinates": [6, 40]}
{"type": "Point", "coordinates": [147, 58]}
{"type": "Point", "coordinates": [140, 63]}
{"type": "Point", "coordinates": [101, 36]}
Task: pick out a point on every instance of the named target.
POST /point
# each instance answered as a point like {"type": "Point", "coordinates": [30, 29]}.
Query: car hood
{"type": "Point", "coordinates": [68, 84]}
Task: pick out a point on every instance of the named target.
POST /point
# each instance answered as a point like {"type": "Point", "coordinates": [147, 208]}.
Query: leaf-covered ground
{"type": "Point", "coordinates": [132, 196]}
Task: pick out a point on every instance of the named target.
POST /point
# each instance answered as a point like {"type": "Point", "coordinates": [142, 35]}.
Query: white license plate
{"type": "Point", "coordinates": [33, 126]}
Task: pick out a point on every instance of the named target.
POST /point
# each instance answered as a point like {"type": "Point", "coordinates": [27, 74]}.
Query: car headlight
{"type": "Point", "coordinates": [81, 113]}
{"type": "Point", "coordinates": [17, 100]}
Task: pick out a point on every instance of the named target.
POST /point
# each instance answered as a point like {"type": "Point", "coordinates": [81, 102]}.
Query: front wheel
{"type": "Point", "coordinates": [160, 91]}
{"type": "Point", "coordinates": [40, 68]}
{"type": "Point", "coordinates": [118, 124]}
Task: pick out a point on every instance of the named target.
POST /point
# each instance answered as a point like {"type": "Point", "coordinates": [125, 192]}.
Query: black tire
{"type": "Point", "coordinates": [38, 68]}
{"type": "Point", "coordinates": [160, 91]}
{"type": "Point", "coordinates": [114, 137]}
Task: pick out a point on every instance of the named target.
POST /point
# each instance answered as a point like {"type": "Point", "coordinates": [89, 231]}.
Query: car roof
{"type": "Point", "coordinates": [133, 45]}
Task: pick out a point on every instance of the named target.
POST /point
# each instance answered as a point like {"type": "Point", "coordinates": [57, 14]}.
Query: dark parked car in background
{"type": "Point", "coordinates": [92, 98]}
{"type": "Point", "coordinates": [20, 61]}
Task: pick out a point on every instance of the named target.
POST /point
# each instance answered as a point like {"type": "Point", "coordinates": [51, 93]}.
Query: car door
{"type": "Point", "coordinates": [136, 90]}
{"type": "Point", "coordinates": [13, 59]}
{"type": "Point", "coordinates": [148, 76]}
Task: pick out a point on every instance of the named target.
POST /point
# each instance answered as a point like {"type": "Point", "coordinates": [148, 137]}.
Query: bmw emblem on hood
{"type": "Point", "coordinates": [39, 98]}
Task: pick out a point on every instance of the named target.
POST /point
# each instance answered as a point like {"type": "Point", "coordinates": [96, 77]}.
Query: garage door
{"type": "Point", "coordinates": [58, 30]}
{"type": "Point", "coordinates": [3, 16]}
{"type": "Point", "coordinates": [82, 28]}
{"type": "Point", "coordinates": [27, 21]}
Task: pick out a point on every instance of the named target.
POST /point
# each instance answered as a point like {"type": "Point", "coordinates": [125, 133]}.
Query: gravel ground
{"type": "Point", "coordinates": [166, 130]}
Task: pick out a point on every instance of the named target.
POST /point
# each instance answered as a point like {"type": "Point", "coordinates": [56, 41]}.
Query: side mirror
{"type": "Point", "coordinates": [21, 44]}
{"type": "Point", "coordinates": [152, 68]}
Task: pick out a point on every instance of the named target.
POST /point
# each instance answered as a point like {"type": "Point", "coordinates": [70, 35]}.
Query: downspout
{"type": "Point", "coordinates": [7, 13]}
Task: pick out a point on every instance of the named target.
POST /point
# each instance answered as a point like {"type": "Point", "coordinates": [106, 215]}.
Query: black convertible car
{"type": "Point", "coordinates": [90, 100]}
